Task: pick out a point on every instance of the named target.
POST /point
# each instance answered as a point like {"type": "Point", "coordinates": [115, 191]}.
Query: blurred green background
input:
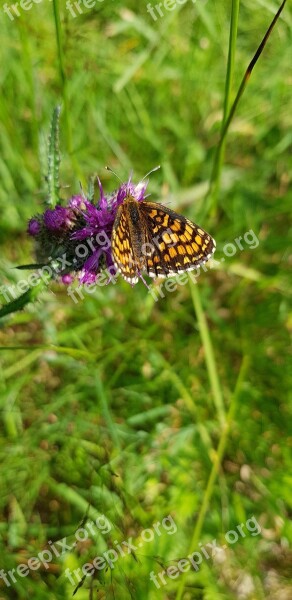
{"type": "Point", "coordinates": [116, 405]}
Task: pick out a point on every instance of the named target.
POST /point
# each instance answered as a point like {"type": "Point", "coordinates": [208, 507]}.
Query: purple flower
{"type": "Point", "coordinates": [58, 232]}
{"type": "Point", "coordinates": [67, 279]}
{"type": "Point", "coordinates": [91, 272]}
{"type": "Point", "coordinates": [78, 203]}
{"type": "Point", "coordinates": [90, 268]}
{"type": "Point", "coordinates": [33, 227]}
{"type": "Point", "coordinates": [56, 218]}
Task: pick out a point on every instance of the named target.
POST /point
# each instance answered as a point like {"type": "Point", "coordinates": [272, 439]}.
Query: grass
{"type": "Point", "coordinates": [124, 404]}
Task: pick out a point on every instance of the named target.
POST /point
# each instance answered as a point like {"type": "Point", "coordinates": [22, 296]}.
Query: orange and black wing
{"type": "Point", "coordinates": [177, 244]}
{"type": "Point", "coordinates": [122, 249]}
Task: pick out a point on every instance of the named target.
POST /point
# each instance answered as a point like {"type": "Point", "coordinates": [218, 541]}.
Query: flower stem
{"type": "Point", "coordinates": [215, 468]}
{"type": "Point", "coordinates": [54, 160]}
{"type": "Point", "coordinates": [62, 73]}
{"type": "Point", "coordinates": [209, 354]}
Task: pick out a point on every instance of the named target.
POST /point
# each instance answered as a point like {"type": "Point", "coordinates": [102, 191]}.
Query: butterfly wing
{"type": "Point", "coordinates": [177, 244]}
{"type": "Point", "coordinates": [122, 246]}
{"type": "Point", "coordinates": [151, 237]}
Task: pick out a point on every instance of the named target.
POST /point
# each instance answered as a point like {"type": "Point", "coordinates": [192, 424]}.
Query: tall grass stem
{"type": "Point", "coordinates": [209, 354]}
{"type": "Point", "coordinates": [219, 155]}
{"type": "Point", "coordinates": [228, 114]}
{"type": "Point", "coordinates": [215, 468]}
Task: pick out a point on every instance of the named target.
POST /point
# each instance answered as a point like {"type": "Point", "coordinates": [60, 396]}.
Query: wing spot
{"type": "Point", "coordinates": [174, 238]}
{"type": "Point", "coordinates": [175, 226]}
{"type": "Point", "coordinates": [166, 238]}
{"type": "Point", "coordinates": [198, 240]}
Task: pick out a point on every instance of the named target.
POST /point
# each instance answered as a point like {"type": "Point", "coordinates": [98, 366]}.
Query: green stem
{"type": "Point", "coordinates": [215, 469]}
{"type": "Point", "coordinates": [219, 156]}
{"type": "Point", "coordinates": [62, 73]}
{"type": "Point", "coordinates": [54, 161]}
{"type": "Point", "coordinates": [209, 354]}
{"type": "Point", "coordinates": [231, 57]}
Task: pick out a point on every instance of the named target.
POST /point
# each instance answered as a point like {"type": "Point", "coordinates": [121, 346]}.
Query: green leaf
{"type": "Point", "coordinates": [29, 296]}
{"type": "Point", "coordinates": [31, 266]}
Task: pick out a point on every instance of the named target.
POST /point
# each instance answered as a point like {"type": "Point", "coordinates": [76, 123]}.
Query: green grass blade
{"type": "Point", "coordinates": [215, 469]}
{"type": "Point", "coordinates": [209, 354]}
{"type": "Point", "coordinates": [219, 155]}
{"type": "Point", "coordinates": [219, 158]}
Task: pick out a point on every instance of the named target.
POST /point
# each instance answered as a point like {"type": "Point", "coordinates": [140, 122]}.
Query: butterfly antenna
{"type": "Point", "coordinates": [152, 171]}
{"type": "Point", "coordinates": [113, 172]}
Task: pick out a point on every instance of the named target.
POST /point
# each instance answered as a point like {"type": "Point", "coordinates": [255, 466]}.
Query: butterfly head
{"type": "Point", "coordinates": [130, 191]}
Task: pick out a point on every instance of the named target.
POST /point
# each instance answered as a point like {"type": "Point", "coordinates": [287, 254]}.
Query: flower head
{"type": "Point", "coordinates": [57, 218]}
{"type": "Point", "coordinates": [33, 227]}
{"type": "Point", "coordinates": [76, 238]}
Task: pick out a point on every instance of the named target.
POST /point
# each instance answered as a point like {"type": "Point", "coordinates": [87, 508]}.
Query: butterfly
{"type": "Point", "coordinates": [151, 238]}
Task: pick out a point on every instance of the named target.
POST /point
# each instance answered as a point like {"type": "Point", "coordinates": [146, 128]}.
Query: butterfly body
{"type": "Point", "coordinates": [149, 237]}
